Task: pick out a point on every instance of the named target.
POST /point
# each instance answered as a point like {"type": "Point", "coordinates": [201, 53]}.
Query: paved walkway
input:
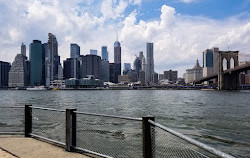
{"type": "Point", "coordinates": [19, 146]}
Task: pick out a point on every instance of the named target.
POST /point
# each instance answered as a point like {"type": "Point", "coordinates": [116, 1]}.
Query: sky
{"type": "Point", "coordinates": [180, 29]}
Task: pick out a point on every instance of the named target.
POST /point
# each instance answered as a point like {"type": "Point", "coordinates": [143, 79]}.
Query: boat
{"type": "Point", "coordinates": [36, 88]}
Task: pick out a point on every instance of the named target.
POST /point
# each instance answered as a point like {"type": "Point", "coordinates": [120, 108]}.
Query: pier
{"type": "Point", "coordinates": [22, 147]}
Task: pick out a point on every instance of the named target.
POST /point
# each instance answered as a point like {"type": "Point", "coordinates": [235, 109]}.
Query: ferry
{"type": "Point", "coordinates": [36, 88]}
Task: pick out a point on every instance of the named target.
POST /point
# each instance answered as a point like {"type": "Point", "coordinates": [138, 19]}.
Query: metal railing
{"type": "Point", "coordinates": [48, 123]}
{"type": "Point", "coordinates": [12, 120]}
{"type": "Point", "coordinates": [169, 143]}
{"type": "Point", "coordinates": [115, 136]}
{"type": "Point", "coordinates": [104, 135]}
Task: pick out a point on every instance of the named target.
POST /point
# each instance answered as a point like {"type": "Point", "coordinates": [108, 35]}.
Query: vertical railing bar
{"type": "Point", "coordinates": [70, 129]}
{"type": "Point", "coordinates": [148, 137]}
{"type": "Point", "coordinates": [28, 120]}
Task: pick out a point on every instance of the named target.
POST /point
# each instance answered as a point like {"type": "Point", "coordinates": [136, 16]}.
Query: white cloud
{"type": "Point", "coordinates": [178, 39]}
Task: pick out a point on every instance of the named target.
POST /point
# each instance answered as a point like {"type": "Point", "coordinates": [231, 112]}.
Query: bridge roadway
{"type": "Point", "coordinates": [236, 69]}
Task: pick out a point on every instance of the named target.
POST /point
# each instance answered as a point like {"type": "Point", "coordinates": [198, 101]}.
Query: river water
{"type": "Point", "coordinates": [218, 118]}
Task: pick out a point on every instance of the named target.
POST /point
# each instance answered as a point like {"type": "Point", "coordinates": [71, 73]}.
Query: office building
{"type": "Point", "coordinates": [37, 59]}
{"type": "Point", "coordinates": [150, 62]}
{"type": "Point", "coordinates": [161, 77]}
{"type": "Point", "coordinates": [71, 68]}
{"type": "Point", "coordinates": [60, 72]}
{"type": "Point", "coordinates": [117, 60]}
{"type": "Point", "coordinates": [133, 75]}
{"type": "Point", "coordinates": [155, 77]}
{"type": "Point", "coordinates": [105, 55]}
{"type": "Point", "coordinates": [83, 65]}
{"type": "Point", "coordinates": [4, 74]}
{"type": "Point", "coordinates": [142, 76]}
{"type": "Point", "coordinates": [93, 52]}
{"type": "Point", "coordinates": [104, 70]}
{"type": "Point", "coordinates": [53, 50]}
{"type": "Point", "coordinates": [141, 56]}
{"type": "Point", "coordinates": [124, 79]}
{"type": "Point", "coordinates": [47, 64]}
{"type": "Point", "coordinates": [90, 65]}
{"type": "Point", "coordinates": [171, 75]}
{"type": "Point", "coordinates": [23, 50]}
{"type": "Point", "coordinates": [56, 64]}
{"type": "Point", "coordinates": [210, 61]}
{"type": "Point", "coordinates": [74, 50]}
{"type": "Point", "coordinates": [111, 73]}
{"type": "Point", "coordinates": [144, 64]}
{"type": "Point", "coordinates": [194, 74]}
{"type": "Point", "coordinates": [137, 65]}
{"type": "Point", "coordinates": [19, 74]}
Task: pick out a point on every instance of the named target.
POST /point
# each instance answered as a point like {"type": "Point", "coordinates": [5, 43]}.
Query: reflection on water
{"type": "Point", "coordinates": [221, 119]}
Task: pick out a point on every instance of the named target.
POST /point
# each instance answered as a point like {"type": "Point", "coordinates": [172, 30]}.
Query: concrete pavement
{"type": "Point", "coordinates": [19, 146]}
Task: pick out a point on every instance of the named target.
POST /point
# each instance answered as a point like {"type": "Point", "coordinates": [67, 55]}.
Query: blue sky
{"type": "Point", "coordinates": [215, 9]}
{"type": "Point", "coordinates": [179, 29]}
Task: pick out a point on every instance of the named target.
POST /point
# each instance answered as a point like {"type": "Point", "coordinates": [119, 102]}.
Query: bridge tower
{"type": "Point", "coordinates": [228, 81]}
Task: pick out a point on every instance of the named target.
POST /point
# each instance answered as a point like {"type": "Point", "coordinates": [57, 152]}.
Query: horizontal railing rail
{"type": "Point", "coordinates": [49, 109]}
{"type": "Point", "coordinates": [11, 107]}
{"type": "Point", "coordinates": [192, 141]}
{"type": "Point", "coordinates": [110, 116]}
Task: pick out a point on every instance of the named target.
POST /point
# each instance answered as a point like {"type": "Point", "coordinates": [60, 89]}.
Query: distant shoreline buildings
{"type": "Point", "coordinates": [88, 71]}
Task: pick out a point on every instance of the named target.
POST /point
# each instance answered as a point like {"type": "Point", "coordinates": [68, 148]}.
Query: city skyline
{"type": "Point", "coordinates": [176, 31]}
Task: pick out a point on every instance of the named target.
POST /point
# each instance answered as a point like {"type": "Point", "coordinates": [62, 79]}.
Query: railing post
{"type": "Point", "coordinates": [148, 137]}
{"type": "Point", "coordinates": [28, 120]}
{"type": "Point", "coordinates": [70, 129]}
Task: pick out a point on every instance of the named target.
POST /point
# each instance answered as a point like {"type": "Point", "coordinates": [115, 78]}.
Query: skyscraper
{"type": "Point", "coordinates": [90, 65]}
{"type": "Point", "coordinates": [37, 56]}
{"type": "Point", "coordinates": [117, 52]}
{"type": "Point", "coordinates": [93, 52]}
{"type": "Point", "coordinates": [141, 56]}
{"type": "Point", "coordinates": [23, 50]}
{"type": "Point", "coordinates": [150, 62]}
{"type": "Point", "coordinates": [47, 64]}
{"type": "Point", "coordinates": [210, 61]}
{"type": "Point", "coordinates": [112, 73]}
{"type": "Point", "coordinates": [19, 74]}
{"type": "Point", "coordinates": [142, 71]}
{"type": "Point", "coordinates": [105, 55]}
{"type": "Point", "coordinates": [117, 60]}
{"type": "Point", "coordinates": [74, 50]}
{"type": "Point", "coordinates": [70, 70]}
{"type": "Point", "coordinates": [104, 70]}
{"type": "Point", "coordinates": [4, 70]}
{"type": "Point", "coordinates": [53, 49]}
{"type": "Point", "coordinates": [137, 65]}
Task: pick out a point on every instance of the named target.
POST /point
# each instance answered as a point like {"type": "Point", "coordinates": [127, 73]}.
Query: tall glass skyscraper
{"type": "Point", "coordinates": [93, 52]}
{"type": "Point", "coordinates": [117, 60]}
{"type": "Point", "coordinates": [150, 62]}
{"type": "Point", "coordinates": [4, 70]}
{"type": "Point", "coordinates": [105, 55]}
{"type": "Point", "coordinates": [53, 49]}
{"type": "Point", "coordinates": [37, 56]}
{"type": "Point", "coordinates": [74, 51]}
